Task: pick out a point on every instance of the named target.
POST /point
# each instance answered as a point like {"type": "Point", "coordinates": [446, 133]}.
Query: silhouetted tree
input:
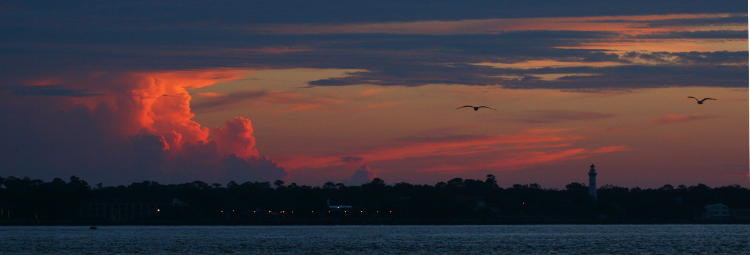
{"type": "Point", "coordinates": [455, 201]}
{"type": "Point", "coordinates": [278, 183]}
{"type": "Point", "coordinates": [491, 181]}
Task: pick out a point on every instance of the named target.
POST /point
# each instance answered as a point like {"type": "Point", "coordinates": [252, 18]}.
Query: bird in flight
{"type": "Point", "coordinates": [702, 100]}
{"type": "Point", "coordinates": [476, 108]}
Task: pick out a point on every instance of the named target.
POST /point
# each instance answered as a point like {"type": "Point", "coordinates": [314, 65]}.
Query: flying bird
{"type": "Point", "coordinates": [702, 100]}
{"type": "Point", "coordinates": [476, 108]}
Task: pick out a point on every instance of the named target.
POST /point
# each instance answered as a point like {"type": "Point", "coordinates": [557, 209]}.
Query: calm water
{"type": "Point", "coordinates": [542, 239]}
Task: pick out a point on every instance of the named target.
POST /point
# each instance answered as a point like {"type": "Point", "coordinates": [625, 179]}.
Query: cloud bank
{"type": "Point", "coordinates": [138, 126]}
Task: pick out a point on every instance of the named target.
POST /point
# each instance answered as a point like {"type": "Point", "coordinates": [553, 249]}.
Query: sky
{"type": "Point", "coordinates": [347, 91]}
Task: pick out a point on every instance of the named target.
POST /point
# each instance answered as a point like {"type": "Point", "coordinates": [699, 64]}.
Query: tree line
{"type": "Point", "coordinates": [456, 201]}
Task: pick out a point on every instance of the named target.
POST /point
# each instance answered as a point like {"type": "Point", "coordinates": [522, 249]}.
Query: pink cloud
{"type": "Point", "coordinates": [672, 118]}
{"type": "Point", "coordinates": [428, 148]}
{"type": "Point", "coordinates": [236, 138]}
{"type": "Point", "coordinates": [453, 155]}
{"type": "Point", "coordinates": [515, 161]}
{"type": "Point", "coordinates": [609, 149]}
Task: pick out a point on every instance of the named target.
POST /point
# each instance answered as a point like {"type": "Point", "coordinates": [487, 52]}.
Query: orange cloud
{"type": "Point", "coordinates": [211, 94]}
{"type": "Point", "coordinates": [160, 104]}
{"type": "Point", "coordinates": [624, 30]}
{"type": "Point", "coordinates": [236, 138]}
{"type": "Point", "coordinates": [141, 125]}
{"type": "Point", "coordinates": [549, 63]}
{"type": "Point", "coordinates": [628, 25]}
{"type": "Point", "coordinates": [665, 45]}
{"type": "Point", "coordinates": [672, 118]}
{"type": "Point", "coordinates": [371, 92]}
{"type": "Point", "coordinates": [608, 149]}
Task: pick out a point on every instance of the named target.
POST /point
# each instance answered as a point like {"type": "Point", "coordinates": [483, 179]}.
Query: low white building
{"type": "Point", "coordinates": [716, 211]}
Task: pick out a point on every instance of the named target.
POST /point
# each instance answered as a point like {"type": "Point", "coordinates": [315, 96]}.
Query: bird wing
{"type": "Point", "coordinates": [483, 106]}
{"type": "Point", "coordinates": [709, 98]}
{"type": "Point", "coordinates": [464, 106]}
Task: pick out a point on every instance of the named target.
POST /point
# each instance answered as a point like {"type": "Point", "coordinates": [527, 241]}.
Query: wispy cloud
{"type": "Point", "coordinates": [212, 100]}
{"type": "Point", "coordinates": [672, 118]}
{"type": "Point", "coordinates": [515, 150]}
{"type": "Point", "coordinates": [629, 25]}
{"type": "Point", "coordinates": [281, 101]}
{"type": "Point", "coordinates": [552, 116]}
{"type": "Point", "coordinates": [51, 90]}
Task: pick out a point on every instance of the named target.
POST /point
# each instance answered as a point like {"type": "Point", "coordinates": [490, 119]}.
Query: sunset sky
{"type": "Point", "coordinates": [345, 91]}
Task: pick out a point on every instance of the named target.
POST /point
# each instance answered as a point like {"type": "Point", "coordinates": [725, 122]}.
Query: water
{"type": "Point", "coordinates": [540, 239]}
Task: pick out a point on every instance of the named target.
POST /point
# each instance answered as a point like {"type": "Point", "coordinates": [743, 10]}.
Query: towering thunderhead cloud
{"type": "Point", "coordinates": [130, 126]}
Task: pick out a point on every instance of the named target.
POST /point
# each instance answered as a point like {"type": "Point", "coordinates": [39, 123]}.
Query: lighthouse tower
{"type": "Point", "coordinates": [592, 182]}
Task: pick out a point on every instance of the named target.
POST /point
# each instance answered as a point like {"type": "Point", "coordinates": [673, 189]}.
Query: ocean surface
{"type": "Point", "coordinates": [534, 239]}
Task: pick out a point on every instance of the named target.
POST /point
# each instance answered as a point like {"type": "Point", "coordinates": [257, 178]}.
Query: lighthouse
{"type": "Point", "coordinates": [592, 182]}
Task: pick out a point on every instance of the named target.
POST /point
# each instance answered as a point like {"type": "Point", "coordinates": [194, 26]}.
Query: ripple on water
{"type": "Point", "coordinates": [538, 239]}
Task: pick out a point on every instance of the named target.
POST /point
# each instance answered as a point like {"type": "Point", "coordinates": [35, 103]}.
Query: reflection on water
{"type": "Point", "coordinates": [543, 239]}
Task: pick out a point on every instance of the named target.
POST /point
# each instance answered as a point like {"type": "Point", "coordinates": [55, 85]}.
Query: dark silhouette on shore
{"type": "Point", "coordinates": [702, 100]}
{"type": "Point", "coordinates": [25, 201]}
{"type": "Point", "coordinates": [476, 108]}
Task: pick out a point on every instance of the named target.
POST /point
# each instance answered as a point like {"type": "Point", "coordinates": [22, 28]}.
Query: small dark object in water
{"type": "Point", "coordinates": [92, 227]}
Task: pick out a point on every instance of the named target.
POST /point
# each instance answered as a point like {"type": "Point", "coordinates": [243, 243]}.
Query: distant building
{"type": "Point", "coordinates": [592, 182]}
{"type": "Point", "coordinates": [337, 207]}
{"type": "Point", "coordinates": [716, 211]}
{"type": "Point", "coordinates": [119, 211]}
